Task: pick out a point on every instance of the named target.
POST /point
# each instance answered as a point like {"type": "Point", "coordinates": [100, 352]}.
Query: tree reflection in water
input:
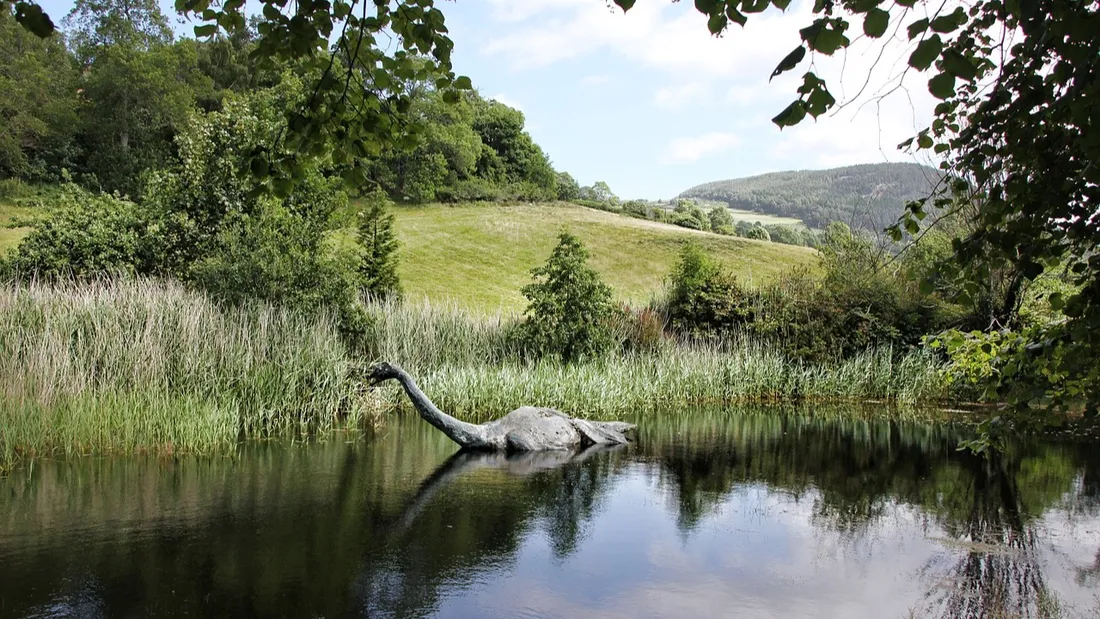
{"type": "Point", "coordinates": [393, 526]}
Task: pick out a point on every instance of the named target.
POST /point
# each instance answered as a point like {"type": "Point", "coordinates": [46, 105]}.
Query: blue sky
{"type": "Point", "coordinates": [652, 104]}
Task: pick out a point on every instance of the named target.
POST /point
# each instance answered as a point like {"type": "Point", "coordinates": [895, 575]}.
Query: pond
{"type": "Point", "coordinates": [750, 513]}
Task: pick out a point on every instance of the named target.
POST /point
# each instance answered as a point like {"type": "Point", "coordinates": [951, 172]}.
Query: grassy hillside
{"type": "Point", "coordinates": [10, 237]}
{"type": "Point", "coordinates": [869, 196]}
{"type": "Point", "coordinates": [480, 256]}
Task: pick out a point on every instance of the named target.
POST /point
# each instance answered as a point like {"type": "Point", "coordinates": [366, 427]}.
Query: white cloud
{"type": "Point", "coordinates": [694, 94]}
{"type": "Point", "coordinates": [662, 36]}
{"type": "Point", "coordinates": [513, 11]}
{"type": "Point", "coordinates": [686, 150]}
{"type": "Point", "coordinates": [596, 80]}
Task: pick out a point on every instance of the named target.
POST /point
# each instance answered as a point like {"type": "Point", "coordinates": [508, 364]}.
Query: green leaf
{"type": "Point", "coordinates": [819, 101]}
{"type": "Point", "coordinates": [271, 11]}
{"type": "Point", "coordinates": [875, 23]}
{"type": "Point", "coordinates": [792, 115]}
{"type": "Point", "coordinates": [926, 287]}
{"type": "Point", "coordinates": [30, 16]}
{"type": "Point", "coordinates": [917, 28]}
{"type": "Point", "coordinates": [924, 141]}
{"type": "Point", "coordinates": [736, 16]}
{"type": "Point", "coordinates": [789, 61]}
{"type": "Point", "coordinates": [911, 226]}
{"type": "Point", "coordinates": [959, 65]}
{"type": "Point", "coordinates": [206, 30]}
{"type": "Point", "coordinates": [463, 83]}
{"type": "Point", "coordinates": [705, 7]}
{"type": "Point", "coordinates": [781, 4]}
{"type": "Point", "coordinates": [906, 3]}
{"type": "Point", "coordinates": [1056, 301]}
{"type": "Point", "coordinates": [942, 86]}
{"type": "Point", "coordinates": [949, 23]}
{"type": "Point", "coordinates": [259, 167]}
{"type": "Point", "coordinates": [625, 5]}
{"type": "Point", "coordinates": [823, 38]}
{"type": "Point", "coordinates": [926, 53]}
{"type": "Point", "coordinates": [717, 23]}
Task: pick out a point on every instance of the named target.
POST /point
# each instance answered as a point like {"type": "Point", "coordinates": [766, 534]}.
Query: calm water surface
{"type": "Point", "coordinates": [733, 514]}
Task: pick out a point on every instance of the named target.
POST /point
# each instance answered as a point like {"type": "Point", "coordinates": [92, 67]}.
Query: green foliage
{"type": "Point", "coordinates": [137, 87]}
{"type": "Point", "coordinates": [38, 103]}
{"type": "Point", "coordinates": [272, 255]}
{"type": "Point", "coordinates": [127, 365]}
{"type": "Point", "coordinates": [703, 300]}
{"type": "Point", "coordinates": [599, 191]}
{"type": "Point", "coordinates": [567, 187]}
{"type": "Point", "coordinates": [758, 232]}
{"type": "Point", "coordinates": [509, 154]}
{"type": "Point", "coordinates": [569, 307]}
{"type": "Point", "coordinates": [85, 235]}
{"type": "Point", "coordinates": [720, 219]}
{"type": "Point", "coordinates": [854, 306]}
{"type": "Point", "coordinates": [211, 182]}
{"type": "Point", "coordinates": [1016, 143]}
{"type": "Point", "coordinates": [973, 369]}
{"type": "Point", "coordinates": [788, 235]}
{"type": "Point", "coordinates": [378, 248]}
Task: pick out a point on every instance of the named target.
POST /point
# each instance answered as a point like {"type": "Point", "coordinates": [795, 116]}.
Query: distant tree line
{"type": "Point", "coordinates": [106, 101]}
{"type": "Point", "coordinates": [687, 213]}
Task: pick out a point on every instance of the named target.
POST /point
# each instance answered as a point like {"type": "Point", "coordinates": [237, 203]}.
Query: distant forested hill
{"type": "Point", "coordinates": [869, 196]}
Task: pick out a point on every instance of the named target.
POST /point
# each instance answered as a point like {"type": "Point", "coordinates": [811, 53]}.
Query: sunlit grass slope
{"type": "Point", "coordinates": [479, 256]}
{"type": "Point", "coordinates": [10, 237]}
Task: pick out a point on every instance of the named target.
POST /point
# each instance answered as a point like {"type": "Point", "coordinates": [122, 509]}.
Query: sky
{"type": "Point", "coordinates": [652, 104]}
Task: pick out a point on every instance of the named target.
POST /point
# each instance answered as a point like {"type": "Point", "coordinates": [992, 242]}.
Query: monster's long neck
{"type": "Point", "coordinates": [465, 434]}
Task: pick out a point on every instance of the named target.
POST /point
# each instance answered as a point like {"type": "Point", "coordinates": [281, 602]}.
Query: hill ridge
{"type": "Point", "coordinates": [866, 195]}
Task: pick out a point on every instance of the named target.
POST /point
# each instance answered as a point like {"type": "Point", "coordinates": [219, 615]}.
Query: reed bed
{"type": "Point", "coordinates": [148, 365]}
{"type": "Point", "coordinates": [681, 379]}
{"type": "Point", "coordinates": [469, 367]}
{"type": "Point", "coordinates": [131, 365]}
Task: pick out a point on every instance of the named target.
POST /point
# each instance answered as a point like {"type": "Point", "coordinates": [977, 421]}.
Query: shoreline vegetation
{"type": "Point", "coordinates": [124, 365]}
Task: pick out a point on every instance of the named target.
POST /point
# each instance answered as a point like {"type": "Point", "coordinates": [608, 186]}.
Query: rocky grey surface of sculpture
{"type": "Point", "coordinates": [528, 428]}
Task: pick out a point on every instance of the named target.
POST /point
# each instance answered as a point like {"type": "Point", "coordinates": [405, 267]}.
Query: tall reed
{"type": "Point", "coordinates": [146, 364]}
{"type": "Point", "coordinates": [468, 366]}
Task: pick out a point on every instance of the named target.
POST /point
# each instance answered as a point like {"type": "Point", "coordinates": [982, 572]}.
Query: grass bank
{"type": "Point", "coordinates": [146, 365]}
{"type": "Point", "coordinates": [480, 256]}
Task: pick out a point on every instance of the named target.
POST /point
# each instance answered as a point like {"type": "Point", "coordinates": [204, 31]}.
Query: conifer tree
{"type": "Point", "coordinates": [378, 263]}
{"type": "Point", "coordinates": [570, 306]}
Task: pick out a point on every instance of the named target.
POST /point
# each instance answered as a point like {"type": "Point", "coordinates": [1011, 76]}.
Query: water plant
{"type": "Point", "coordinates": [143, 364]}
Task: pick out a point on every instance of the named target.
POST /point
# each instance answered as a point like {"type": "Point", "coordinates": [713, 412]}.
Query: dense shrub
{"type": "Point", "coordinates": [853, 306]}
{"type": "Point", "coordinates": [759, 233]}
{"type": "Point", "coordinates": [269, 255]}
{"type": "Point", "coordinates": [569, 310]}
{"type": "Point", "coordinates": [720, 219]}
{"type": "Point", "coordinates": [85, 235]}
{"type": "Point", "coordinates": [206, 221]}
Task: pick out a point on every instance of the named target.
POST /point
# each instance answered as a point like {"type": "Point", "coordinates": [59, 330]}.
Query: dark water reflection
{"type": "Point", "coordinates": [750, 514]}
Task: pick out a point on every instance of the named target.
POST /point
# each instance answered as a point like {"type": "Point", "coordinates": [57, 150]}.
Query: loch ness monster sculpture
{"type": "Point", "coordinates": [528, 428]}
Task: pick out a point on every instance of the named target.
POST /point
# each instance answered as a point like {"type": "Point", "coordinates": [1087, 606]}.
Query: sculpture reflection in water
{"type": "Point", "coordinates": [559, 490]}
